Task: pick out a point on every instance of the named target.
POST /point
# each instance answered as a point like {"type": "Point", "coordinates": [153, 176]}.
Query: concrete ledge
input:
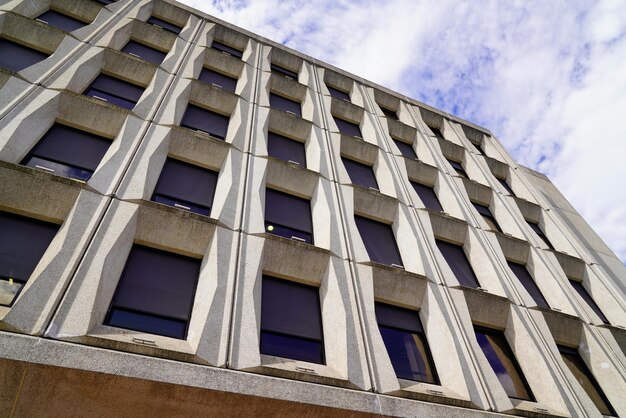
{"type": "Point", "coordinates": [47, 352]}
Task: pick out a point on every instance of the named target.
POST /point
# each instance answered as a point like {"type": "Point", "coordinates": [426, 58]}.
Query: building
{"type": "Point", "coordinates": [195, 220]}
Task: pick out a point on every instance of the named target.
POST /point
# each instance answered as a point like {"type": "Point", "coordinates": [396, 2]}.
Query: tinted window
{"type": "Point", "coordinates": [535, 227]}
{"type": "Point", "coordinates": [16, 57]}
{"type": "Point", "coordinates": [23, 241]}
{"type": "Point", "coordinates": [391, 114]}
{"type": "Point", "coordinates": [291, 324]}
{"type": "Point", "coordinates": [347, 128]}
{"type": "Point", "coordinates": [585, 378]}
{"type": "Point", "coordinates": [186, 186]}
{"type": "Point", "coordinates": [165, 25]}
{"type": "Point", "coordinates": [338, 94]}
{"type": "Point", "coordinates": [458, 168]}
{"type": "Point", "coordinates": [580, 288]}
{"type": "Point", "coordinates": [226, 49]}
{"type": "Point", "coordinates": [218, 79]}
{"type": "Point", "coordinates": [487, 216]}
{"type": "Point", "coordinates": [379, 241]}
{"type": "Point", "coordinates": [60, 21]}
{"type": "Point", "coordinates": [155, 293]}
{"type": "Point", "coordinates": [521, 272]}
{"type": "Point", "coordinates": [68, 152]}
{"type": "Point", "coordinates": [206, 121]}
{"type": "Point", "coordinates": [282, 103]}
{"type": "Point", "coordinates": [106, 1]}
{"type": "Point", "coordinates": [114, 91]}
{"type": "Point", "coordinates": [502, 361]}
{"type": "Point", "coordinates": [145, 52]}
{"type": "Point", "coordinates": [479, 148]}
{"type": "Point", "coordinates": [277, 69]}
{"type": "Point", "coordinates": [288, 216]}
{"type": "Point", "coordinates": [459, 264]}
{"type": "Point", "coordinates": [286, 149]}
{"type": "Point", "coordinates": [506, 186]}
{"type": "Point", "coordinates": [405, 149]}
{"type": "Point", "coordinates": [427, 196]}
{"type": "Point", "coordinates": [406, 344]}
{"type": "Point", "coordinates": [360, 174]}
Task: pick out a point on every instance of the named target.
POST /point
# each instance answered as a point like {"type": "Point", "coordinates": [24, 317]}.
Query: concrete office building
{"type": "Point", "coordinates": [197, 221]}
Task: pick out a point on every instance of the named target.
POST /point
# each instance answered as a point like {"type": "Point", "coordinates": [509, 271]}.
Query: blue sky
{"type": "Point", "coordinates": [548, 78]}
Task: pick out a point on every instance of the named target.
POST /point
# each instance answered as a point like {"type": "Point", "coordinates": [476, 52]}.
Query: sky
{"type": "Point", "coordinates": [548, 78]}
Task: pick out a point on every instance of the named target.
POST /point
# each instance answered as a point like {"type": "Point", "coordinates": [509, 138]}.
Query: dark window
{"type": "Point", "coordinates": [487, 216]}
{"type": "Point", "coordinates": [68, 152]}
{"type": "Point", "coordinates": [521, 272]}
{"type": "Point", "coordinates": [459, 264]}
{"type": "Point", "coordinates": [405, 149]}
{"type": "Point", "coordinates": [391, 114]}
{"type": "Point", "coordinates": [379, 241]}
{"type": "Point", "coordinates": [479, 148]}
{"type": "Point", "coordinates": [503, 362]}
{"type": "Point", "coordinates": [585, 378]}
{"type": "Point", "coordinates": [23, 241]}
{"type": "Point", "coordinates": [338, 94]}
{"type": "Point", "coordinates": [458, 168]}
{"type": "Point", "coordinates": [155, 293]}
{"type": "Point", "coordinates": [226, 49]}
{"type": "Point", "coordinates": [144, 52]}
{"type": "Point", "coordinates": [106, 1]}
{"type": "Point", "coordinates": [535, 227]}
{"type": "Point", "coordinates": [186, 186]}
{"type": "Point", "coordinates": [427, 196]}
{"type": "Point", "coordinates": [60, 21]}
{"type": "Point", "coordinates": [16, 57]}
{"type": "Point", "coordinates": [291, 321]}
{"type": "Point", "coordinates": [580, 288]}
{"type": "Point", "coordinates": [288, 216]}
{"type": "Point", "coordinates": [348, 128]}
{"type": "Point", "coordinates": [406, 344]}
{"type": "Point", "coordinates": [437, 132]}
{"type": "Point", "coordinates": [277, 69]}
{"type": "Point", "coordinates": [286, 149]}
{"type": "Point", "coordinates": [206, 121]}
{"type": "Point", "coordinates": [114, 91]}
{"type": "Point", "coordinates": [217, 79]}
{"type": "Point", "coordinates": [170, 27]}
{"type": "Point", "coordinates": [506, 186]}
{"type": "Point", "coordinates": [282, 103]}
{"type": "Point", "coordinates": [360, 174]}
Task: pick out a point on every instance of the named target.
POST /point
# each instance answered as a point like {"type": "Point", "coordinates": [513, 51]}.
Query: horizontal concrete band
{"type": "Point", "coordinates": [22, 348]}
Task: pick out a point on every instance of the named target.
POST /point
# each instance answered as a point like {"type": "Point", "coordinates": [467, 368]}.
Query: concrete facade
{"type": "Point", "coordinates": [58, 358]}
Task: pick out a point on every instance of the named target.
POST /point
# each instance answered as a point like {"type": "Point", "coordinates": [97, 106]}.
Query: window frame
{"type": "Point", "coordinates": [263, 330]}
{"type": "Point", "coordinates": [134, 43]}
{"type": "Point", "coordinates": [34, 153]}
{"type": "Point", "coordinates": [371, 251]}
{"type": "Point", "coordinates": [428, 199]}
{"type": "Point", "coordinates": [528, 282]}
{"type": "Point", "coordinates": [229, 83]}
{"type": "Point", "coordinates": [446, 244]}
{"type": "Point", "coordinates": [226, 49]}
{"type": "Point", "coordinates": [120, 283]}
{"type": "Point", "coordinates": [488, 217]}
{"type": "Point", "coordinates": [338, 93]}
{"type": "Point", "coordinates": [285, 104]}
{"type": "Point", "coordinates": [511, 357]}
{"type": "Point", "coordinates": [163, 196]}
{"type": "Point", "coordinates": [588, 299]}
{"type": "Point", "coordinates": [64, 18]}
{"type": "Point", "coordinates": [50, 228]}
{"type": "Point", "coordinates": [274, 141]}
{"type": "Point", "coordinates": [285, 72]}
{"type": "Point", "coordinates": [164, 24]}
{"type": "Point", "coordinates": [356, 177]}
{"type": "Point", "coordinates": [571, 351]}
{"type": "Point", "coordinates": [309, 236]}
{"type": "Point", "coordinates": [17, 49]}
{"type": "Point", "coordinates": [103, 78]}
{"type": "Point", "coordinates": [419, 333]}
{"type": "Point", "coordinates": [196, 108]}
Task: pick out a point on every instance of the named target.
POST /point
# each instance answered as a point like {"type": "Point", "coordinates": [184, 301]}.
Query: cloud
{"type": "Point", "coordinates": [547, 78]}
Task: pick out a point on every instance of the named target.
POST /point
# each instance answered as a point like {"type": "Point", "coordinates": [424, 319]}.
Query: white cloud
{"type": "Point", "coordinates": [548, 78]}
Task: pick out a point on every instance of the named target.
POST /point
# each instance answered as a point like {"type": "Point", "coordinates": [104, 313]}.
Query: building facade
{"type": "Point", "coordinates": [195, 220]}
